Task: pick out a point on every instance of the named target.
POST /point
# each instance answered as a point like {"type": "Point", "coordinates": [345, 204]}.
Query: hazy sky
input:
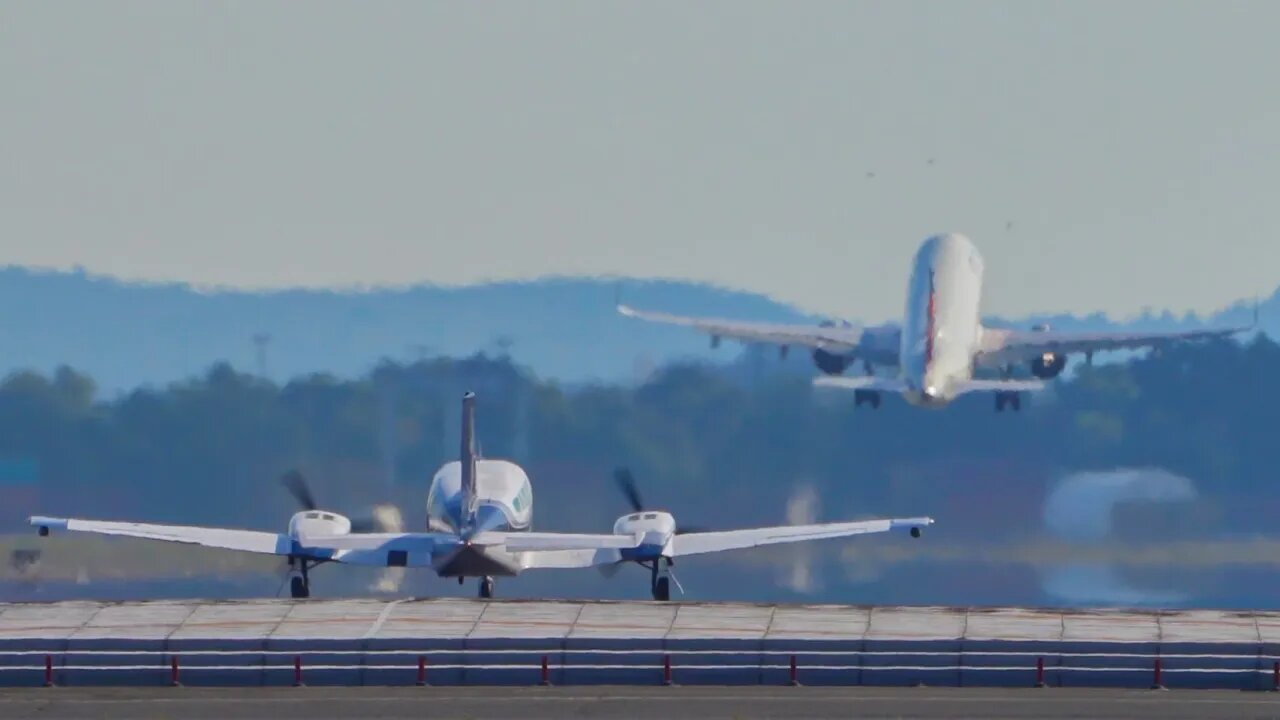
{"type": "Point", "coordinates": [1133, 146]}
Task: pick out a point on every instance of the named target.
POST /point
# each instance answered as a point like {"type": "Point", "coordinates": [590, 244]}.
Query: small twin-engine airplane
{"type": "Point", "coordinates": [940, 342]}
{"type": "Point", "coordinates": [480, 512]}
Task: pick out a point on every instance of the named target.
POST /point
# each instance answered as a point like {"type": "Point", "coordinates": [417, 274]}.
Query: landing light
{"type": "Point", "coordinates": [931, 390]}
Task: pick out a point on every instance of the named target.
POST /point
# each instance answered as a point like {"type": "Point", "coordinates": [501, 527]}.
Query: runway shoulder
{"type": "Point", "coordinates": [703, 703]}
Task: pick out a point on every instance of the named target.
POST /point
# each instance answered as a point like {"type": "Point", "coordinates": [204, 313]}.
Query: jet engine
{"type": "Point", "coordinates": [1048, 366]}
{"type": "Point", "coordinates": [828, 362]}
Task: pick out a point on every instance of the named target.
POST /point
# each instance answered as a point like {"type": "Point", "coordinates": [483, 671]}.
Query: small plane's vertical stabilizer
{"type": "Point", "coordinates": [467, 459]}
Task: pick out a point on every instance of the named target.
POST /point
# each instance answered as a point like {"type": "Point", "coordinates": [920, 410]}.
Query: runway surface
{"type": "Point", "coordinates": [703, 703]}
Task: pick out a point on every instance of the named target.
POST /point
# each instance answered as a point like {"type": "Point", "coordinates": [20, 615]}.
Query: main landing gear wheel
{"type": "Point", "coordinates": [660, 580]}
{"type": "Point", "coordinates": [662, 589]}
{"type": "Point", "coordinates": [300, 584]}
{"type": "Point", "coordinates": [870, 397]}
{"type": "Point", "coordinates": [1008, 398]}
{"type": "Point", "coordinates": [486, 588]}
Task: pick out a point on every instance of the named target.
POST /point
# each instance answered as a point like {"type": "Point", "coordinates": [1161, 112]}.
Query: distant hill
{"type": "Point", "coordinates": [131, 334]}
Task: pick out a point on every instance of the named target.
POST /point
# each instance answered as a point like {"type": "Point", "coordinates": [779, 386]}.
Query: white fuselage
{"type": "Point", "coordinates": [942, 326]}
{"type": "Point", "coordinates": [504, 502]}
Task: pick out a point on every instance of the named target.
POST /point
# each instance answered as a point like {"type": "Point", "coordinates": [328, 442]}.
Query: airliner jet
{"type": "Point", "coordinates": [480, 515]}
{"type": "Point", "coordinates": [940, 342]}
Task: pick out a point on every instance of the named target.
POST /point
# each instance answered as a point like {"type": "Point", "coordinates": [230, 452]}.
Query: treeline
{"type": "Point", "coordinates": [715, 445]}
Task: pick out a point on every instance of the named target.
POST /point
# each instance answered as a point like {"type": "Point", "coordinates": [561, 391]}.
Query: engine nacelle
{"type": "Point", "coordinates": [1048, 366]}
{"type": "Point", "coordinates": [655, 528]}
{"type": "Point", "coordinates": [318, 523]}
{"type": "Point", "coordinates": [828, 362]}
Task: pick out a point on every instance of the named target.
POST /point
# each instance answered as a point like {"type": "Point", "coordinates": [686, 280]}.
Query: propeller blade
{"type": "Point", "coordinates": [384, 518]}
{"type": "Point", "coordinates": [691, 529]}
{"type": "Point", "coordinates": [364, 525]}
{"type": "Point", "coordinates": [297, 487]}
{"type": "Point", "coordinates": [609, 570]}
{"type": "Point", "coordinates": [627, 484]}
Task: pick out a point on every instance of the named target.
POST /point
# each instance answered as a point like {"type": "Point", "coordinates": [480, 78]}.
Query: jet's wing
{"type": "Point", "coordinates": [1001, 346]}
{"type": "Point", "coordinates": [708, 542]}
{"type": "Point", "coordinates": [833, 339]}
{"type": "Point", "coordinates": [252, 541]}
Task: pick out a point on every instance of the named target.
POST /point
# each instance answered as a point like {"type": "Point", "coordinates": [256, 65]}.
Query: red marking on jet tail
{"type": "Point", "coordinates": [929, 326]}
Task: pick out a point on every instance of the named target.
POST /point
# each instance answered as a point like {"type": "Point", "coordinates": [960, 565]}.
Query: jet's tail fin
{"type": "Point", "coordinates": [467, 458]}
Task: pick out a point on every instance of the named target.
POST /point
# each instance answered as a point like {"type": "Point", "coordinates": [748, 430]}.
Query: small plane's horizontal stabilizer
{"type": "Point", "coordinates": [998, 386]}
{"type": "Point", "coordinates": [861, 382]}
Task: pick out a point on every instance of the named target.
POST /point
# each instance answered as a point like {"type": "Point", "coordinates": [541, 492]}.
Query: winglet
{"type": "Point", "coordinates": [467, 458]}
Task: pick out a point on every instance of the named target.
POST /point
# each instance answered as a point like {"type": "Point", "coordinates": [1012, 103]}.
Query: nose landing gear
{"type": "Point", "coordinates": [300, 583]}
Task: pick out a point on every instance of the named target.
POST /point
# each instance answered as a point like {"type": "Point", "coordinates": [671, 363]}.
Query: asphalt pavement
{"type": "Point", "coordinates": [607, 703]}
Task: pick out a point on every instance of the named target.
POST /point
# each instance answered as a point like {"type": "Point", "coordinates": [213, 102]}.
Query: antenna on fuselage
{"type": "Point", "coordinates": [468, 460]}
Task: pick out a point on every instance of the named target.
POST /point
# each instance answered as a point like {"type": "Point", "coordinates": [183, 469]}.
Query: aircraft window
{"type": "Point", "coordinates": [313, 515]}
{"type": "Point", "coordinates": [327, 516]}
{"type": "Point", "coordinates": [634, 517]}
{"type": "Point", "coordinates": [651, 516]}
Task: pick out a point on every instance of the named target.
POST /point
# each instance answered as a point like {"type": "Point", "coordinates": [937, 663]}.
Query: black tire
{"type": "Point", "coordinates": [999, 402]}
{"type": "Point", "coordinates": [486, 589]}
{"type": "Point", "coordinates": [1015, 402]}
{"type": "Point", "coordinates": [875, 401]}
{"type": "Point", "coordinates": [662, 589]}
{"type": "Point", "coordinates": [298, 589]}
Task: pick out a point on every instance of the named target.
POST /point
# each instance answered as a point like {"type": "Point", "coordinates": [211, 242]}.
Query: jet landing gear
{"type": "Point", "coordinates": [870, 397]}
{"type": "Point", "coordinates": [486, 588]}
{"type": "Point", "coordinates": [1009, 398]}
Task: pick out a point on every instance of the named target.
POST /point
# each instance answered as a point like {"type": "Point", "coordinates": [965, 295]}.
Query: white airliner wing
{"type": "Point", "coordinates": [708, 542]}
{"type": "Point", "coordinates": [1004, 346]}
{"type": "Point", "coordinates": [244, 540]}
{"type": "Point", "coordinates": [833, 339]}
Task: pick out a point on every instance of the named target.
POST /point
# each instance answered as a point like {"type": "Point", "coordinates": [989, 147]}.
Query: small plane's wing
{"type": "Point", "coordinates": [696, 543]}
{"type": "Point", "coordinates": [526, 541]}
{"type": "Point", "coordinates": [509, 541]}
{"type": "Point", "coordinates": [832, 339]}
{"type": "Point", "coordinates": [253, 541]}
{"type": "Point", "coordinates": [560, 559]}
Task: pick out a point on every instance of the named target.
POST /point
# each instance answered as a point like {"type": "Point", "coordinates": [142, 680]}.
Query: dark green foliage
{"type": "Point", "coordinates": [711, 447]}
